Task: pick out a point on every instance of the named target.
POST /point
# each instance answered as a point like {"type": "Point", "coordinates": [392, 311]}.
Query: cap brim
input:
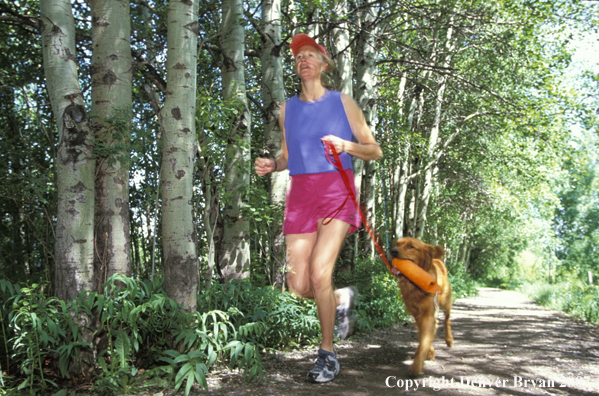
{"type": "Point", "coordinates": [302, 39]}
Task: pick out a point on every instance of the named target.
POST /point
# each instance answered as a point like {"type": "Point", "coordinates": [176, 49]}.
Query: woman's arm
{"type": "Point", "coordinates": [367, 148]}
{"type": "Point", "coordinates": [267, 165]}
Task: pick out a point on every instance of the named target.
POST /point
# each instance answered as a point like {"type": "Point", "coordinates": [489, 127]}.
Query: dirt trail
{"type": "Point", "coordinates": [505, 344]}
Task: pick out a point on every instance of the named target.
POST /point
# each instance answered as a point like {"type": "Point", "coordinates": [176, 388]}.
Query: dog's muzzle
{"type": "Point", "coordinates": [395, 255]}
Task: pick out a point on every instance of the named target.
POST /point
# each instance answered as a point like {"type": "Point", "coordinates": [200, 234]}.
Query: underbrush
{"type": "Point", "coordinates": [133, 336]}
{"type": "Point", "coordinates": [462, 283]}
{"type": "Point", "coordinates": [570, 296]}
{"type": "Point", "coordinates": [379, 303]}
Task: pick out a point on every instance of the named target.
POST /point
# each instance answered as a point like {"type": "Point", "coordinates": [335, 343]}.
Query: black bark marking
{"type": "Point", "coordinates": [68, 56]}
{"type": "Point", "coordinates": [176, 112]}
{"type": "Point", "coordinates": [109, 78]}
{"type": "Point", "coordinates": [100, 21]}
{"type": "Point", "coordinates": [76, 131]}
{"type": "Point", "coordinates": [193, 27]}
{"type": "Point", "coordinates": [77, 188]}
{"type": "Point", "coordinates": [76, 112]}
{"type": "Point", "coordinates": [179, 66]}
{"type": "Point", "coordinates": [119, 180]}
{"type": "Point", "coordinates": [228, 64]}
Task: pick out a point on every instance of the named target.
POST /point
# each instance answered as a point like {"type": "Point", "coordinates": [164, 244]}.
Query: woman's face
{"type": "Point", "coordinates": [308, 62]}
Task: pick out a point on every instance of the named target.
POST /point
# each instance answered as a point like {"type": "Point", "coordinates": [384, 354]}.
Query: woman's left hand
{"type": "Point", "coordinates": [338, 143]}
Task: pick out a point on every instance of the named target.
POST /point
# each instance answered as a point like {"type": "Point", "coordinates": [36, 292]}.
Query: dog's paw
{"type": "Point", "coordinates": [431, 354]}
{"type": "Point", "coordinates": [449, 342]}
{"type": "Point", "coordinates": [415, 371]}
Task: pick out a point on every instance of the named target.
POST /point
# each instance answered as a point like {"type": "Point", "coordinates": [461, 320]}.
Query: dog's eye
{"type": "Point", "coordinates": [410, 247]}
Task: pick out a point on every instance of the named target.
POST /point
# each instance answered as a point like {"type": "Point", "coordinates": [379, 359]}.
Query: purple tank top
{"type": "Point", "coordinates": [305, 124]}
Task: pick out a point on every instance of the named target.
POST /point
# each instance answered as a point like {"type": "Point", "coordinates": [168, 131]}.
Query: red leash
{"type": "Point", "coordinates": [329, 148]}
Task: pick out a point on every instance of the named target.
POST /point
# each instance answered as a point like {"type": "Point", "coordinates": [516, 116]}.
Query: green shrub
{"type": "Point", "coordinates": [379, 303]}
{"type": "Point", "coordinates": [34, 332]}
{"type": "Point", "coordinates": [462, 283]}
{"type": "Point", "coordinates": [571, 296]}
{"type": "Point", "coordinates": [133, 325]}
{"type": "Point", "coordinates": [289, 321]}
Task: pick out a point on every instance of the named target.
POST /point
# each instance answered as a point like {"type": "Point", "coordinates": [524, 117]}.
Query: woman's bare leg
{"type": "Point", "coordinates": [326, 250]}
{"type": "Point", "coordinates": [311, 261]}
{"type": "Point", "coordinates": [299, 252]}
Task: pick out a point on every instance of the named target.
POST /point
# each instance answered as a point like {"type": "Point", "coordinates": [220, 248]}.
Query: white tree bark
{"type": "Point", "coordinates": [342, 51]}
{"type": "Point", "coordinates": [433, 141]}
{"type": "Point", "coordinates": [235, 253]}
{"type": "Point", "coordinates": [401, 172]}
{"type": "Point", "coordinates": [366, 98]}
{"type": "Point", "coordinates": [75, 165]}
{"type": "Point", "coordinates": [111, 76]}
{"type": "Point", "coordinates": [273, 93]}
{"type": "Point", "coordinates": [179, 149]}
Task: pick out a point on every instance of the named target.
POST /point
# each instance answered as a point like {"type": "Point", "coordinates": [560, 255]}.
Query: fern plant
{"type": "Point", "coordinates": [34, 323]}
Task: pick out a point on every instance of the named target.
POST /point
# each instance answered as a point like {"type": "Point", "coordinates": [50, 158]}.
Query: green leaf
{"type": "Point", "coordinates": [190, 381]}
{"type": "Point", "coordinates": [122, 349]}
{"type": "Point", "coordinates": [249, 352]}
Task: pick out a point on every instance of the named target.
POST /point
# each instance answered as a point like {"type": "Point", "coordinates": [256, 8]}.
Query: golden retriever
{"type": "Point", "coordinates": [420, 304]}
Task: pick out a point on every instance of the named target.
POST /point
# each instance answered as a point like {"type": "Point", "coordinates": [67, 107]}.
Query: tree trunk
{"type": "Point", "coordinates": [179, 150]}
{"type": "Point", "coordinates": [342, 51]}
{"type": "Point", "coordinates": [111, 120]}
{"type": "Point", "coordinates": [273, 93]}
{"type": "Point", "coordinates": [234, 261]}
{"type": "Point", "coordinates": [343, 81]}
{"type": "Point", "coordinates": [366, 98]}
{"type": "Point", "coordinates": [210, 212]}
{"type": "Point", "coordinates": [401, 172]}
{"type": "Point", "coordinates": [313, 28]}
{"type": "Point", "coordinates": [75, 165]}
{"type": "Point", "coordinates": [433, 140]}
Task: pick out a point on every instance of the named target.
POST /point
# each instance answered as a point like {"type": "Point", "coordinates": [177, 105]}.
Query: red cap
{"type": "Point", "coordinates": [301, 39]}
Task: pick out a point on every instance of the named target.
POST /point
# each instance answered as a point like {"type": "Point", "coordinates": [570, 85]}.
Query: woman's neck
{"type": "Point", "coordinates": [312, 91]}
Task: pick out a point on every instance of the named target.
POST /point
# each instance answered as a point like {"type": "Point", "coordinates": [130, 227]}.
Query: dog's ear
{"type": "Point", "coordinates": [438, 252]}
{"type": "Point", "coordinates": [427, 256]}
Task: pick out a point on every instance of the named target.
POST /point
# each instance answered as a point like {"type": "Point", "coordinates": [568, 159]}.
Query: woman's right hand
{"type": "Point", "coordinates": [264, 166]}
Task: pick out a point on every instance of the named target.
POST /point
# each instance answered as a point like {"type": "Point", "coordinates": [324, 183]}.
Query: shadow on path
{"type": "Point", "coordinates": [505, 344]}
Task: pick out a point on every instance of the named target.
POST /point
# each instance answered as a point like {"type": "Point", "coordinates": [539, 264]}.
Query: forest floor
{"type": "Point", "coordinates": [505, 344]}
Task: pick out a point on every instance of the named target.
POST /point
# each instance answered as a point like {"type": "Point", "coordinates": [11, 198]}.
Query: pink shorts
{"type": "Point", "coordinates": [313, 197]}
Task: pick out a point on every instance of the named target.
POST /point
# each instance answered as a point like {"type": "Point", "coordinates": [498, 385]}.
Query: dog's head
{"type": "Point", "coordinates": [419, 252]}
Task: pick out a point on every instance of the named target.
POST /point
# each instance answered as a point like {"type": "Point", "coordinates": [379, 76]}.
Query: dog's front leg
{"type": "Point", "coordinates": [447, 330]}
{"type": "Point", "coordinates": [426, 333]}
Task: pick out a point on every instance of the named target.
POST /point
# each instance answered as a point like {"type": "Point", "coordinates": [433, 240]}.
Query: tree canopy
{"type": "Point", "coordinates": [465, 98]}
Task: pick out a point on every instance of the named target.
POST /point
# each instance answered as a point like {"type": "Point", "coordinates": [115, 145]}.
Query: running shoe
{"type": "Point", "coordinates": [345, 312]}
{"type": "Point", "coordinates": [326, 367]}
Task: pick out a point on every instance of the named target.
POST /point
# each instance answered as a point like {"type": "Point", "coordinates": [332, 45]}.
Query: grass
{"type": "Point", "coordinates": [572, 297]}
